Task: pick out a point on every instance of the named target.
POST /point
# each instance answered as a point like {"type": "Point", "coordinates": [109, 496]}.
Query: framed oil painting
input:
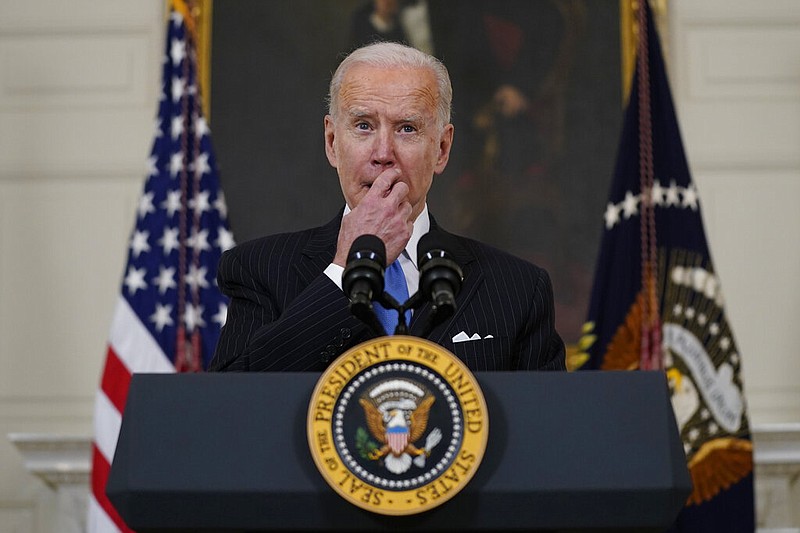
{"type": "Point", "coordinates": [537, 110]}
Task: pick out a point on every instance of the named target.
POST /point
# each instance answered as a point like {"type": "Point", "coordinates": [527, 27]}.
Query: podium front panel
{"type": "Point", "coordinates": [566, 451]}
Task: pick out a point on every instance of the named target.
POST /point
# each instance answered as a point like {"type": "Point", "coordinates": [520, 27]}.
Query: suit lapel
{"type": "Point", "coordinates": [473, 277]}
{"type": "Point", "coordinates": [319, 250]}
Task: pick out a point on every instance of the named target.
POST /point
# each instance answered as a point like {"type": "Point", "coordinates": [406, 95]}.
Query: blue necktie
{"type": "Point", "coordinates": [394, 284]}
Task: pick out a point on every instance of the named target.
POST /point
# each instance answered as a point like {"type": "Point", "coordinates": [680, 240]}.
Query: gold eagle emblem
{"type": "Point", "coordinates": [397, 431]}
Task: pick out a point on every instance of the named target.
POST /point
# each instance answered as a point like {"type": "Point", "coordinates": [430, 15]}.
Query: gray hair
{"type": "Point", "coordinates": [395, 55]}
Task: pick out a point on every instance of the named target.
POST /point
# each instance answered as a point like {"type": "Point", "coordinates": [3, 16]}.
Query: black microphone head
{"type": "Point", "coordinates": [436, 264]}
{"type": "Point", "coordinates": [434, 240]}
{"type": "Point", "coordinates": [368, 246]}
{"type": "Point", "coordinates": [362, 278]}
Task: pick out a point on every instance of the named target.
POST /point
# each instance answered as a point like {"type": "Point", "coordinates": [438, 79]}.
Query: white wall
{"type": "Point", "coordinates": [78, 87]}
{"type": "Point", "coordinates": [735, 73]}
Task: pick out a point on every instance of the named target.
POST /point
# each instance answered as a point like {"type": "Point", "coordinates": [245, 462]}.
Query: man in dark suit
{"type": "Point", "coordinates": [387, 134]}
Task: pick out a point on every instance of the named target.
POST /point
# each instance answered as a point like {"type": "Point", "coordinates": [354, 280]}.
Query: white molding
{"type": "Point", "coordinates": [55, 459]}
{"type": "Point", "coordinates": [777, 444]}
{"type": "Point", "coordinates": [112, 176]}
{"type": "Point", "coordinates": [70, 70]}
{"type": "Point", "coordinates": [736, 11]}
{"type": "Point", "coordinates": [736, 82]}
{"type": "Point", "coordinates": [738, 63]}
{"type": "Point", "coordinates": [776, 452]}
{"type": "Point", "coordinates": [80, 14]}
{"type": "Point", "coordinates": [63, 463]}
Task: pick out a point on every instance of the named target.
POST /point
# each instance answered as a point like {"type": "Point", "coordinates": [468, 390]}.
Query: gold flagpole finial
{"type": "Point", "coordinates": [197, 14]}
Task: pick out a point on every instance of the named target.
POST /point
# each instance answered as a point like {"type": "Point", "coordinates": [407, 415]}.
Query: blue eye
{"type": "Point", "coordinates": [409, 129]}
{"type": "Point", "coordinates": [362, 126]}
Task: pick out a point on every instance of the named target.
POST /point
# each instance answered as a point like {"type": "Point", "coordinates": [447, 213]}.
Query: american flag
{"type": "Point", "coordinates": [169, 312]}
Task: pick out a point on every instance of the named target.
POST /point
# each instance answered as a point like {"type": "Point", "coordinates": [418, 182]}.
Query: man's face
{"type": "Point", "coordinates": [386, 119]}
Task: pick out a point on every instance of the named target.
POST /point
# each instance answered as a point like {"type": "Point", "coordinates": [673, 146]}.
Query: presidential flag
{"type": "Point", "coordinates": [169, 312]}
{"type": "Point", "coordinates": [657, 301]}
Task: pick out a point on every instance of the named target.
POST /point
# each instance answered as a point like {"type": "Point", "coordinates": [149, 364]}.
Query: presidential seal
{"type": "Point", "coordinates": [397, 425]}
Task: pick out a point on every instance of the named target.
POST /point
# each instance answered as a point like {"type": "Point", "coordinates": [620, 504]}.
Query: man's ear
{"type": "Point", "coordinates": [330, 141]}
{"type": "Point", "coordinates": [445, 143]}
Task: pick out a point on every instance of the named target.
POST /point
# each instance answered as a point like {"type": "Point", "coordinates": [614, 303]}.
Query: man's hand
{"type": "Point", "coordinates": [385, 212]}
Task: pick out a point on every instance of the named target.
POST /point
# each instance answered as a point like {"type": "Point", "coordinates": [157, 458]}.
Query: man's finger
{"type": "Point", "coordinates": [385, 182]}
{"type": "Point", "coordinates": [399, 192]}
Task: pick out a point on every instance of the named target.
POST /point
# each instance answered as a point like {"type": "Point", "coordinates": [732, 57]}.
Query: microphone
{"type": "Point", "coordinates": [440, 277]}
{"type": "Point", "coordinates": [362, 279]}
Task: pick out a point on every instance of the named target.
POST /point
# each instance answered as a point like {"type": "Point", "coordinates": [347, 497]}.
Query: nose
{"type": "Point", "coordinates": [383, 150]}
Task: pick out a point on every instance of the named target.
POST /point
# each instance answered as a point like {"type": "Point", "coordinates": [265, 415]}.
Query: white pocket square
{"type": "Point", "coordinates": [463, 337]}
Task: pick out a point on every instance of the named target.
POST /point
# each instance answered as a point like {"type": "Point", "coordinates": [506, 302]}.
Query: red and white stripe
{"type": "Point", "coordinates": [397, 441]}
{"type": "Point", "coordinates": [131, 349]}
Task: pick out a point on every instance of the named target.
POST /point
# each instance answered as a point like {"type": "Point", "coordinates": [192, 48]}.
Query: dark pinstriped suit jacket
{"type": "Point", "coordinates": [286, 314]}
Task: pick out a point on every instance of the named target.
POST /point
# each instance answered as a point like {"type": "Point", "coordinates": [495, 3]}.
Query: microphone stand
{"type": "Point", "coordinates": [438, 315]}
{"type": "Point", "coordinates": [363, 311]}
{"type": "Point", "coordinates": [389, 302]}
